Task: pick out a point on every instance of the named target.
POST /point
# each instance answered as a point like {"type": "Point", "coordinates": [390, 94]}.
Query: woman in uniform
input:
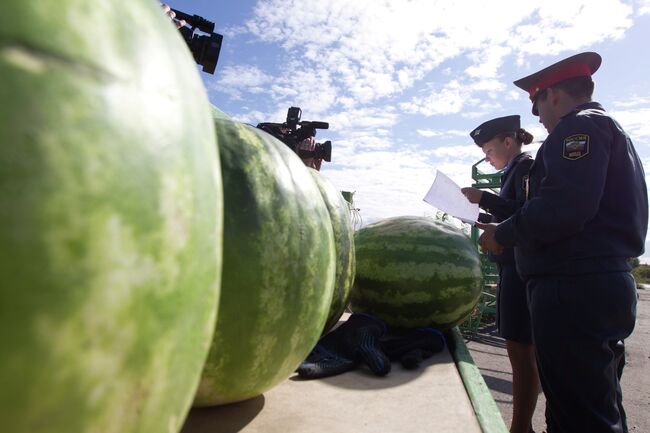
{"type": "Point", "coordinates": [501, 140]}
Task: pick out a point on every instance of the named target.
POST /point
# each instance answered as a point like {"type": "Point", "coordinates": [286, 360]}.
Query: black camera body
{"type": "Point", "coordinates": [293, 131]}
{"type": "Point", "coordinates": [204, 48]}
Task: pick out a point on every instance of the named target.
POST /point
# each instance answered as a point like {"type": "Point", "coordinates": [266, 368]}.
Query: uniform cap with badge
{"type": "Point", "coordinates": [488, 130]}
{"type": "Point", "coordinates": [580, 65]}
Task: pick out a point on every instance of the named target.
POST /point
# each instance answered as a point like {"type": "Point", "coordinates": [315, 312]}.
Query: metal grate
{"type": "Point", "coordinates": [486, 307]}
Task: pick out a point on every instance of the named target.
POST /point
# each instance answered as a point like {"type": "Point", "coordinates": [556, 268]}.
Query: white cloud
{"type": "Point", "coordinates": [242, 78]}
{"type": "Point", "coordinates": [636, 122]}
{"type": "Point", "coordinates": [633, 101]}
{"type": "Point", "coordinates": [643, 7]}
{"type": "Point", "coordinates": [487, 85]}
{"type": "Point", "coordinates": [362, 142]}
{"type": "Point", "coordinates": [477, 114]}
{"type": "Point", "coordinates": [513, 95]}
{"type": "Point", "coordinates": [363, 66]}
{"type": "Point", "coordinates": [449, 100]}
{"type": "Point", "coordinates": [487, 62]}
{"type": "Point", "coordinates": [378, 48]}
{"type": "Point", "coordinates": [352, 121]}
{"type": "Point", "coordinates": [633, 113]}
{"type": "Point", "coordinates": [457, 133]}
{"type": "Point", "coordinates": [466, 152]}
{"type": "Point", "coordinates": [252, 117]}
{"type": "Point", "coordinates": [558, 26]}
{"type": "Point", "coordinates": [393, 182]}
{"type": "Point", "coordinates": [386, 183]}
{"type": "Point", "coordinates": [429, 133]}
{"type": "Point", "coordinates": [233, 31]}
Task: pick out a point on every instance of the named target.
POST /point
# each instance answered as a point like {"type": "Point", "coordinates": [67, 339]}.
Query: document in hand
{"type": "Point", "coordinates": [446, 196]}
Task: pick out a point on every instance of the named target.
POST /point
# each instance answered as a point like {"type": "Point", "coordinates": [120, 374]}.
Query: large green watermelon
{"type": "Point", "coordinates": [344, 242]}
{"type": "Point", "coordinates": [415, 271]}
{"type": "Point", "coordinates": [218, 114]}
{"type": "Point", "coordinates": [110, 219]}
{"type": "Point", "coordinates": [278, 269]}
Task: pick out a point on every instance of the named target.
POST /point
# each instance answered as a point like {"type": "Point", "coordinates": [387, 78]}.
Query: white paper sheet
{"type": "Point", "coordinates": [445, 195]}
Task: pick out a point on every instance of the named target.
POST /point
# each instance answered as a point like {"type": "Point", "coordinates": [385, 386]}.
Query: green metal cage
{"type": "Point", "coordinates": [486, 307]}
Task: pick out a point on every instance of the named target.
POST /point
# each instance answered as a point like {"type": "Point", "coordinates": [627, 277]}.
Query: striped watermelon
{"type": "Point", "coordinates": [218, 114]}
{"type": "Point", "coordinates": [414, 271]}
{"type": "Point", "coordinates": [278, 272]}
{"type": "Point", "coordinates": [344, 242]}
{"type": "Point", "coordinates": [110, 219]}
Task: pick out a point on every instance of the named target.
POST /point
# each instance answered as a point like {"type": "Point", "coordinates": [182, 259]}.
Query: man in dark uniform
{"type": "Point", "coordinates": [585, 217]}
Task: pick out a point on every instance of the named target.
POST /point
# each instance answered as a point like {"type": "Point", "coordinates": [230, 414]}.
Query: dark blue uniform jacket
{"type": "Point", "coordinates": [512, 196]}
{"type": "Point", "coordinates": [587, 207]}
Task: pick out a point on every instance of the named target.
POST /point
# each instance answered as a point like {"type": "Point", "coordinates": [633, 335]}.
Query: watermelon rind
{"type": "Point", "coordinates": [416, 271]}
{"type": "Point", "coordinates": [339, 211]}
{"type": "Point", "coordinates": [110, 219]}
{"type": "Point", "coordinates": [279, 267]}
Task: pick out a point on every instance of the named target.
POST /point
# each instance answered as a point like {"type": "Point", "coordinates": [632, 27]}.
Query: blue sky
{"type": "Point", "coordinates": [402, 83]}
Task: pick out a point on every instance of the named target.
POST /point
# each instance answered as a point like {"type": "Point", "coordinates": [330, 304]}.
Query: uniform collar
{"type": "Point", "coordinates": [593, 105]}
{"type": "Point", "coordinates": [513, 161]}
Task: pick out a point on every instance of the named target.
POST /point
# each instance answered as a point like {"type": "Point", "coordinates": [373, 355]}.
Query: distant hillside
{"type": "Point", "coordinates": [642, 274]}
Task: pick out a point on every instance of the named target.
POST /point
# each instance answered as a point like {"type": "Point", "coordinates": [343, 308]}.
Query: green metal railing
{"type": "Point", "coordinates": [486, 410]}
{"type": "Point", "coordinates": [355, 216]}
{"type": "Point", "coordinates": [487, 304]}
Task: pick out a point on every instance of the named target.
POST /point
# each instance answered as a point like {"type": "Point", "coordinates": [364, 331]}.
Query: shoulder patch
{"type": "Point", "coordinates": [575, 146]}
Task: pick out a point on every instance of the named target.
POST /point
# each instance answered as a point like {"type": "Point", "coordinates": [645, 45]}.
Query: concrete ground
{"type": "Point", "coordinates": [489, 353]}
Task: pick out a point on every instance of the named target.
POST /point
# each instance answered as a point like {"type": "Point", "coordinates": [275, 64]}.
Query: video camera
{"type": "Point", "coordinates": [293, 131]}
{"type": "Point", "coordinates": [205, 49]}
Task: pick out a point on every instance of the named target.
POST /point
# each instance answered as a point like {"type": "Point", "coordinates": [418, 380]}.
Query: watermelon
{"type": "Point", "coordinates": [344, 242]}
{"type": "Point", "coordinates": [217, 113]}
{"type": "Point", "coordinates": [110, 219]}
{"type": "Point", "coordinates": [278, 267]}
{"type": "Point", "coordinates": [414, 272]}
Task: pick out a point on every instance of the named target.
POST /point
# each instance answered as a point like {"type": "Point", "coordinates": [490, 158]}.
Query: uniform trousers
{"type": "Point", "coordinates": [579, 324]}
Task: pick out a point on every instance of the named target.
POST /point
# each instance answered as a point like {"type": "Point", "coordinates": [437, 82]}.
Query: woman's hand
{"type": "Point", "coordinates": [473, 194]}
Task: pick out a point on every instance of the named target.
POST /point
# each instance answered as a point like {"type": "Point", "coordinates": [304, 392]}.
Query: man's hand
{"type": "Point", "coordinates": [171, 14]}
{"type": "Point", "coordinates": [309, 144]}
{"type": "Point", "coordinates": [473, 194]}
{"type": "Point", "coordinates": [314, 163]}
{"type": "Point", "coordinates": [487, 241]}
